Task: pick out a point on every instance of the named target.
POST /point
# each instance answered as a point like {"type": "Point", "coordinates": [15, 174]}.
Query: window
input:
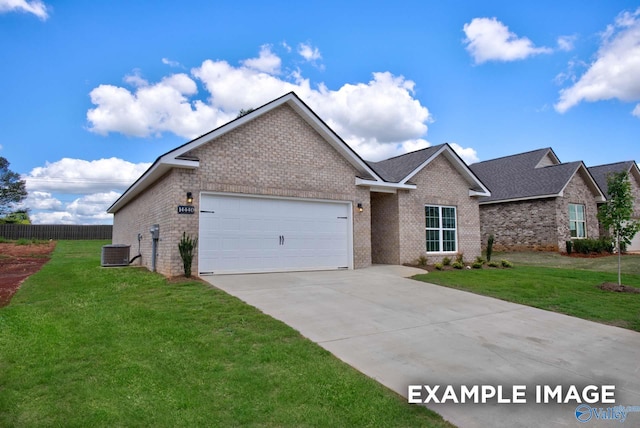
{"type": "Point", "coordinates": [577, 222]}
{"type": "Point", "coordinates": [441, 232]}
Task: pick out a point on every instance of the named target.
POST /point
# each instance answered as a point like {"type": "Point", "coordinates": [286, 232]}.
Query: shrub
{"type": "Point", "coordinates": [186, 246]}
{"type": "Point", "coordinates": [489, 247]}
{"type": "Point", "coordinates": [446, 261]}
{"type": "Point", "coordinates": [493, 264]}
{"type": "Point", "coordinates": [460, 258]}
{"type": "Point", "coordinates": [480, 260]}
{"type": "Point", "coordinates": [506, 263]}
{"type": "Point", "coordinates": [422, 261]}
{"type": "Point", "coordinates": [569, 246]}
{"type": "Point", "coordinates": [457, 265]}
{"type": "Point", "coordinates": [439, 266]}
{"type": "Point", "coordinates": [477, 265]}
{"type": "Point", "coordinates": [589, 246]}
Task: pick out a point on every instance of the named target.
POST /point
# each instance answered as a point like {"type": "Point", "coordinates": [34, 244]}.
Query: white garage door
{"type": "Point", "coordinates": [240, 234]}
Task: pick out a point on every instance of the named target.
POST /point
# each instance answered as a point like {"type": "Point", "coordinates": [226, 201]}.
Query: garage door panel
{"type": "Point", "coordinates": [251, 234]}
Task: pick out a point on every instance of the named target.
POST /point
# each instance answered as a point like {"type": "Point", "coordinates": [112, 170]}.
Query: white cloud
{"type": "Point", "coordinates": [81, 176]}
{"type": "Point", "coordinates": [42, 201]}
{"type": "Point", "coordinates": [152, 109]}
{"type": "Point", "coordinates": [469, 155]}
{"type": "Point", "coordinates": [171, 63]}
{"type": "Point", "coordinates": [615, 73]}
{"type": "Point", "coordinates": [87, 209]}
{"type": "Point", "coordinates": [636, 111]}
{"type": "Point", "coordinates": [379, 118]}
{"type": "Point", "coordinates": [97, 185]}
{"type": "Point", "coordinates": [308, 52]}
{"type": "Point", "coordinates": [35, 7]}
{"type": "Point", "coordinates": [566, 43]}
{"type": "Point", "coordinates": [267, 62]}
{"type": "Point", "coordinates": [490, 40]}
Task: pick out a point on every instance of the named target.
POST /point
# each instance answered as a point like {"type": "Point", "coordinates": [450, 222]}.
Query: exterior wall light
{"type": "Point", "coordinates": [360, 209]}
{"type": "Point", "coordinates": [189, 197]}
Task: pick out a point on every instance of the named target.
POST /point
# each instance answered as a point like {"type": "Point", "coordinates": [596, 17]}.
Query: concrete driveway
{"type": "Point", "coordinates": [403, 332]}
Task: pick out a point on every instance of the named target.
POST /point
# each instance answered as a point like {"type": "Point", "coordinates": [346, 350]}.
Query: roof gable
{"type": "Point", "coordinates": [530, 175]}
{"type": "Point", "coordinates": [400, 169]}
{"type": "Point", "coordinates": [179, 157]}
{"type": "Point", "coordinates": [600, 173]}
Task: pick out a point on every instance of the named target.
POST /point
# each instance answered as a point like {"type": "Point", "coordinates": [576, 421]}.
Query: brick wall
{"type": "Point", "coordinates": [439, 184]}
{"type": "Point", "coordinates": [635, 190]}
{"type": "Point", "coordinates": [276, 154]}
{"type": "Point", "coordinates": [385, 238]}
{"type": "Point", "coordinates": [538, 224]}
{"type": "Point", "coordinates": [520, 225]}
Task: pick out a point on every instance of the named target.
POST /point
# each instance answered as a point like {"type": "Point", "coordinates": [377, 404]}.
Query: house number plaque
{"type": "Point", "coordinates": [186, 209]}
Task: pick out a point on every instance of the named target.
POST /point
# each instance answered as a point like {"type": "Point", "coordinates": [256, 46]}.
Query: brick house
{"type": "Point", "coordinates": [278, 190]}
{"type": "Point", "coordinates": [537, 202]}
{"type": "Point", "coordinates": [600, 173]}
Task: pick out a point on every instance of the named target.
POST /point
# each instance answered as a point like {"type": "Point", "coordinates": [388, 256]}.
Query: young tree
{"type": "Point", "coordinates": [12, 188]}
{"type": "Point", "coordinates": [615, 214]}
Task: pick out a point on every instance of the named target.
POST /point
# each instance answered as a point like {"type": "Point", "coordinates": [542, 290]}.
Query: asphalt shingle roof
{"type": "Point", "coordinates": [518, 177]}
{"type": "Point", "coordinates": [395, 169]}
{"type": "Point", "coordinates": [600, 173]}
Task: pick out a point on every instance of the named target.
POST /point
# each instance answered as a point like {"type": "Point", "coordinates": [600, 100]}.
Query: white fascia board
{"type": "Point", "coordinates": [477, 193]}
{"type": "Point", "coordinates": [381, 186]}
{"type": "Point", "coordinates": [181, 163]}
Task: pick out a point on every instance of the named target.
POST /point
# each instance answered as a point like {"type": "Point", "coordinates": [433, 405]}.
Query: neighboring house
{"type": "Point", "coordinates": [536, 202]}
{"type": "Point", "coordinates": [278, 190]}
{"type": "Point", "coordinates": [600, 174]}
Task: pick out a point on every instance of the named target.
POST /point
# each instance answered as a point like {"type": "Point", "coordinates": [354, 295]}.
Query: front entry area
{"type": "Point", "coordinates": [251, 234]}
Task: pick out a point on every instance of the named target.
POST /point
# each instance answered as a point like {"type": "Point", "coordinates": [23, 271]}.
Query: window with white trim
{"type": "Point", "coordinates": [441, 228]}
{"type": "Point", "coordinates": [577, 221]}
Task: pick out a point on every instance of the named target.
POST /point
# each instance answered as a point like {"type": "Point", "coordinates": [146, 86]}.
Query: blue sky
{"type": "Point", "coordinates": [93, 92]}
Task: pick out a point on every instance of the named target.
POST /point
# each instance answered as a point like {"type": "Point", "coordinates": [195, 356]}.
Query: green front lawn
{"type": "Point", "coordinates": [82, 345]}
{"type": "Point", "coordinates": [569, 291]}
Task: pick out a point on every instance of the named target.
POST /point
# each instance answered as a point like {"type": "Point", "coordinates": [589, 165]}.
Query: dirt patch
{"type": "Point", "coordinates": [612, 286]}
{"type": "Point", "coordinates": [17, 263]}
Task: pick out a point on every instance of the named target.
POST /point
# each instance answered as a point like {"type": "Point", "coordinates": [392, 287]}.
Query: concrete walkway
{"type": "Point", "coordinates": [403, 332]}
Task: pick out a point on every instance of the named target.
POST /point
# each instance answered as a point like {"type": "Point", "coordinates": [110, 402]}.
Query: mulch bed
{"type": "Point", "coordinates": [612, 286]}
{"type": "Point", "coordinates": [17, 263]}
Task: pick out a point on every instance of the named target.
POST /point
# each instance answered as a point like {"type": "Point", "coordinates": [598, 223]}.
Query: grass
{"type": "Point", "coordinates": [571, 289]}
{"type": "Point", "coordinates": [630, 262]}
{"type": "Point", "coordinates": [82, 345]}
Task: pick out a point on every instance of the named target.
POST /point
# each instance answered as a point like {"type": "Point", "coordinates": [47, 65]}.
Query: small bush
{"type": "Point", "coordinates": [493, 264]}
{"type": "Point", "coordinates": [506, 263]}
{"type": "Point", "coordinates": [460, 258]}
{"type": "Point", "coordinates": [422, 261]}
{"type": "Point", "coordinates": [23, 241]}
{"type": "Point", "coordinates": [480, 260]}
{"type": "Point", "coordinates": [590, 246]}
{"type": "Point", "coordinates": [439, 266]}
{"type": "Point", "coordinates": [569, 246]}
{"type": "Point", "coordinates": [477, 265]}
{"type": "Point", "coordinates": [446, 261]}
{"type": "Point", "coordinates": [457, 265]}
{"type": "Point", "coordinates": [490, 247]}
{"type": "Point", "coordinates": [4, 240]}
{"type": "Point", "coordinates": [187, 246]}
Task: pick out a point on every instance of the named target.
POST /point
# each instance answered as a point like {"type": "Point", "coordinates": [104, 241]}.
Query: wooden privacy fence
{"type": "Point", "coordinates": [55, 231]}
